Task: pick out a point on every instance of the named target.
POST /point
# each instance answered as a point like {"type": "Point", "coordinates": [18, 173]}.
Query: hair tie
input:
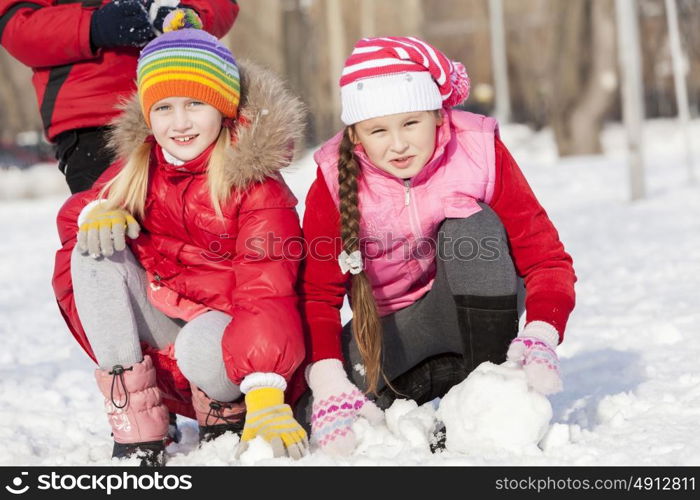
{"type": "Point", "coordinates": [350, 262]}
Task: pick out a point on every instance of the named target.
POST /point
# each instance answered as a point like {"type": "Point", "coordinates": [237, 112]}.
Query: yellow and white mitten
{"type": "Point", "coordinates": [269, 417]}
{"type": "Point", "coordinates": [102, 231]}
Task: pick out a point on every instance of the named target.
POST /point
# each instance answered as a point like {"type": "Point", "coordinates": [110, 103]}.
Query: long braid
{"type": "Point", "coordinates": [366, 326]}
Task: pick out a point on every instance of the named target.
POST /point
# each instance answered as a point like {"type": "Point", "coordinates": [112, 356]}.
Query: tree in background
{"type": "Point", "coordinates": [584, 81]}
{"type": "Point", "coordinates": [19, 111]}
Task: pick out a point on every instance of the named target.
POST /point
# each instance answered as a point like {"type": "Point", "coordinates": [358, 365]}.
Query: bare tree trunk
{"type": "Point", "coordinates": [499, 59]}
{"type": "Point", "coordinates": [680, 84]}
{"type": "Point", "coordinates": [301, 57]}
{"type": "Point", "coordinates": [16, 98]}
{"type": "Point", "coordinates": [367, 18]}
{"type": "Point", "coordinates": [633, 111]}
{"type": "Point", "coordinates": [322, 86]}
{"type": "Point", "coordinates": [413, 17]}
{"type": "Point", "coordinates": [568, 20]}
{"type": "Point", "coordinates": [600, 88]}
{"type": "Point", "coordinates": [584, 69]}
{"type": "Point", "coordinates": [530, 47]}
{"type": "Point", "coordinates": [7, 98]}
{"type": "Point", "coordinates": [336, 49]}
{"type": "Point", "coordinates": [399, 18]}
{"type": "Point", "coordinates": [258, 33]}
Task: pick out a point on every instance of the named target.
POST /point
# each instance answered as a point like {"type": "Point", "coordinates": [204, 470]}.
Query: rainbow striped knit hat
{"type": "Point", "coordinates": [186, 61]}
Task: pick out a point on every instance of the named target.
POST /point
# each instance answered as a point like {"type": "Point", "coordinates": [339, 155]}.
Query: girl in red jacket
{"type": "Point", "coordinates": [203, 297]}
{"type": "Point", "coordinates": [421, 213]}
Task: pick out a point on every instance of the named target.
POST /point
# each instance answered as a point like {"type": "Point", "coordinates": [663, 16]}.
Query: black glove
{"type": "Point", "coordinates": [121, 23]}
{"type": "Point", "coordinates": [160, 15]}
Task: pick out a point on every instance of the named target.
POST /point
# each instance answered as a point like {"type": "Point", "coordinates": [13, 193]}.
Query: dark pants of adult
{"type": "Point", "coordinates": [82, 156]}
{"type": "Point", "coordinates": [469, 316]}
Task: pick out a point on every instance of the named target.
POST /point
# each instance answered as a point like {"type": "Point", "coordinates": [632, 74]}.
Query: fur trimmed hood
{"type": "Point", "coordinates": [269, 128]}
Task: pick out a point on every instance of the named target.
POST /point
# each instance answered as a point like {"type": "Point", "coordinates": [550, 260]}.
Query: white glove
{"type": "Point", "coordinates": [533, 349]}
{"type": "Point", "coordinates": [337, 404]}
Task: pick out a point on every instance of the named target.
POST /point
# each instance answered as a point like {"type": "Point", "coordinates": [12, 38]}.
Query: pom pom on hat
{"type": "Point", "coordinates": [461, 84]}
{"type": "Point", "coordinates": [390, 75]}
{"type": "Point", "coordinates": [181, 19]}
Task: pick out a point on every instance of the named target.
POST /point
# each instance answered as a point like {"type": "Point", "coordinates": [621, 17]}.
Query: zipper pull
{"type": "Point", "coordinates": [407, 193]}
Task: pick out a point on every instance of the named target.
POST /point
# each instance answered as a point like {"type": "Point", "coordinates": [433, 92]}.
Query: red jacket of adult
{"type": "Point", "coordinates": [238, 265]}
{"type": "Point", "coordinates": [76, 87]}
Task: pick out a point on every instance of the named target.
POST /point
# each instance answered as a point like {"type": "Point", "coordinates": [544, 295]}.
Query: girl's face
{"type": "Point", "coordinates": [400, 144]}
{"type": "Point", "coordinates": [184, 127]}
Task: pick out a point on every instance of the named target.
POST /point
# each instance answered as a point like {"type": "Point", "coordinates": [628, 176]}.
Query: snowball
{"type": "Point", "coordinates": [411, 422]}
{"type": "Point", "coordinates": [494, 407]}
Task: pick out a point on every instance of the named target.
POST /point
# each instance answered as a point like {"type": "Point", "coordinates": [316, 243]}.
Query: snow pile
{"type": "Point", "coordinates": [494, 408]}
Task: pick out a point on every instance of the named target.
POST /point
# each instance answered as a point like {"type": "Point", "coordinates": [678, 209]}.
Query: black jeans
{"type": "Point", "coordinates": [82, 156]}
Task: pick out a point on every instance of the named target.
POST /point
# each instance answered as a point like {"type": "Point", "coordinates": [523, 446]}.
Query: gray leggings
{"type": "Point", "coordinates": [110, 296]}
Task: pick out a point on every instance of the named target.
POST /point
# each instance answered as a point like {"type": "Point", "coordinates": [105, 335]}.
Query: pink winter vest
{"type": "Point", "coordinates": [400, 218]}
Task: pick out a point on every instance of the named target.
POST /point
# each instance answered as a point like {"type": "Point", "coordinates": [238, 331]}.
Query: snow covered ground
{"type": "Point", "coordinates": [629, 361]}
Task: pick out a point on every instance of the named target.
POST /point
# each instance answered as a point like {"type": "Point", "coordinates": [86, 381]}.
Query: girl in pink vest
{"type": "Point", "coordinates": [421, 215]}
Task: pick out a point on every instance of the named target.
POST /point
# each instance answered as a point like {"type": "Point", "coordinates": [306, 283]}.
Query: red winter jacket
{"type": "Point", "coordinates": [537, 253]}
{"type": "Point", "coordinates": [76, 87]}
{"type": "Point", "coordinates": [236, 265]}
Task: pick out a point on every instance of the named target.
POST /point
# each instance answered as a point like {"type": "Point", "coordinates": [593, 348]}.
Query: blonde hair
{"type": "Point", "coordinates": [129, 187]}
{"type": "Point", "coordinates": [366, 325]}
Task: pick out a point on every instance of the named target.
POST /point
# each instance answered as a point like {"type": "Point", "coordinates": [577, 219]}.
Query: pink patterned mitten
{"type": "Point", "coordinates": [338, 403]}
{"type": "Point", "coordinates": [534, 351]}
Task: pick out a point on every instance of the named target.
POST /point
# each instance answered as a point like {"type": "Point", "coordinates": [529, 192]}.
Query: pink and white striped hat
{"type": "Point", "coordinates": [389, 75]}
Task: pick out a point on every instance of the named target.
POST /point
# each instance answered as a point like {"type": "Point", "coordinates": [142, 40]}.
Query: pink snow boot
{"type": "Point", "coordinates": [215, 417]}
{"type": "Point", "coordinates": [138, 417]}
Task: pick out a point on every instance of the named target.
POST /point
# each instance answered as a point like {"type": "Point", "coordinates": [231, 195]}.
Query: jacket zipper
{"type": "Point", "coordinates": [413, 218]}
{"type": "Point", "coordinates": [412, 210]}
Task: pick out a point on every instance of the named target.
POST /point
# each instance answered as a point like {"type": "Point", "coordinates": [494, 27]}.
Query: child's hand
{"type": "Point", "coordinates": [268, 417]}
{"type": "Point", "coordinates": [533, 349]}
{"type": "Point", "coordinates": [338, 403]}
{"type": "Point", "coordinates": [103, 231]}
